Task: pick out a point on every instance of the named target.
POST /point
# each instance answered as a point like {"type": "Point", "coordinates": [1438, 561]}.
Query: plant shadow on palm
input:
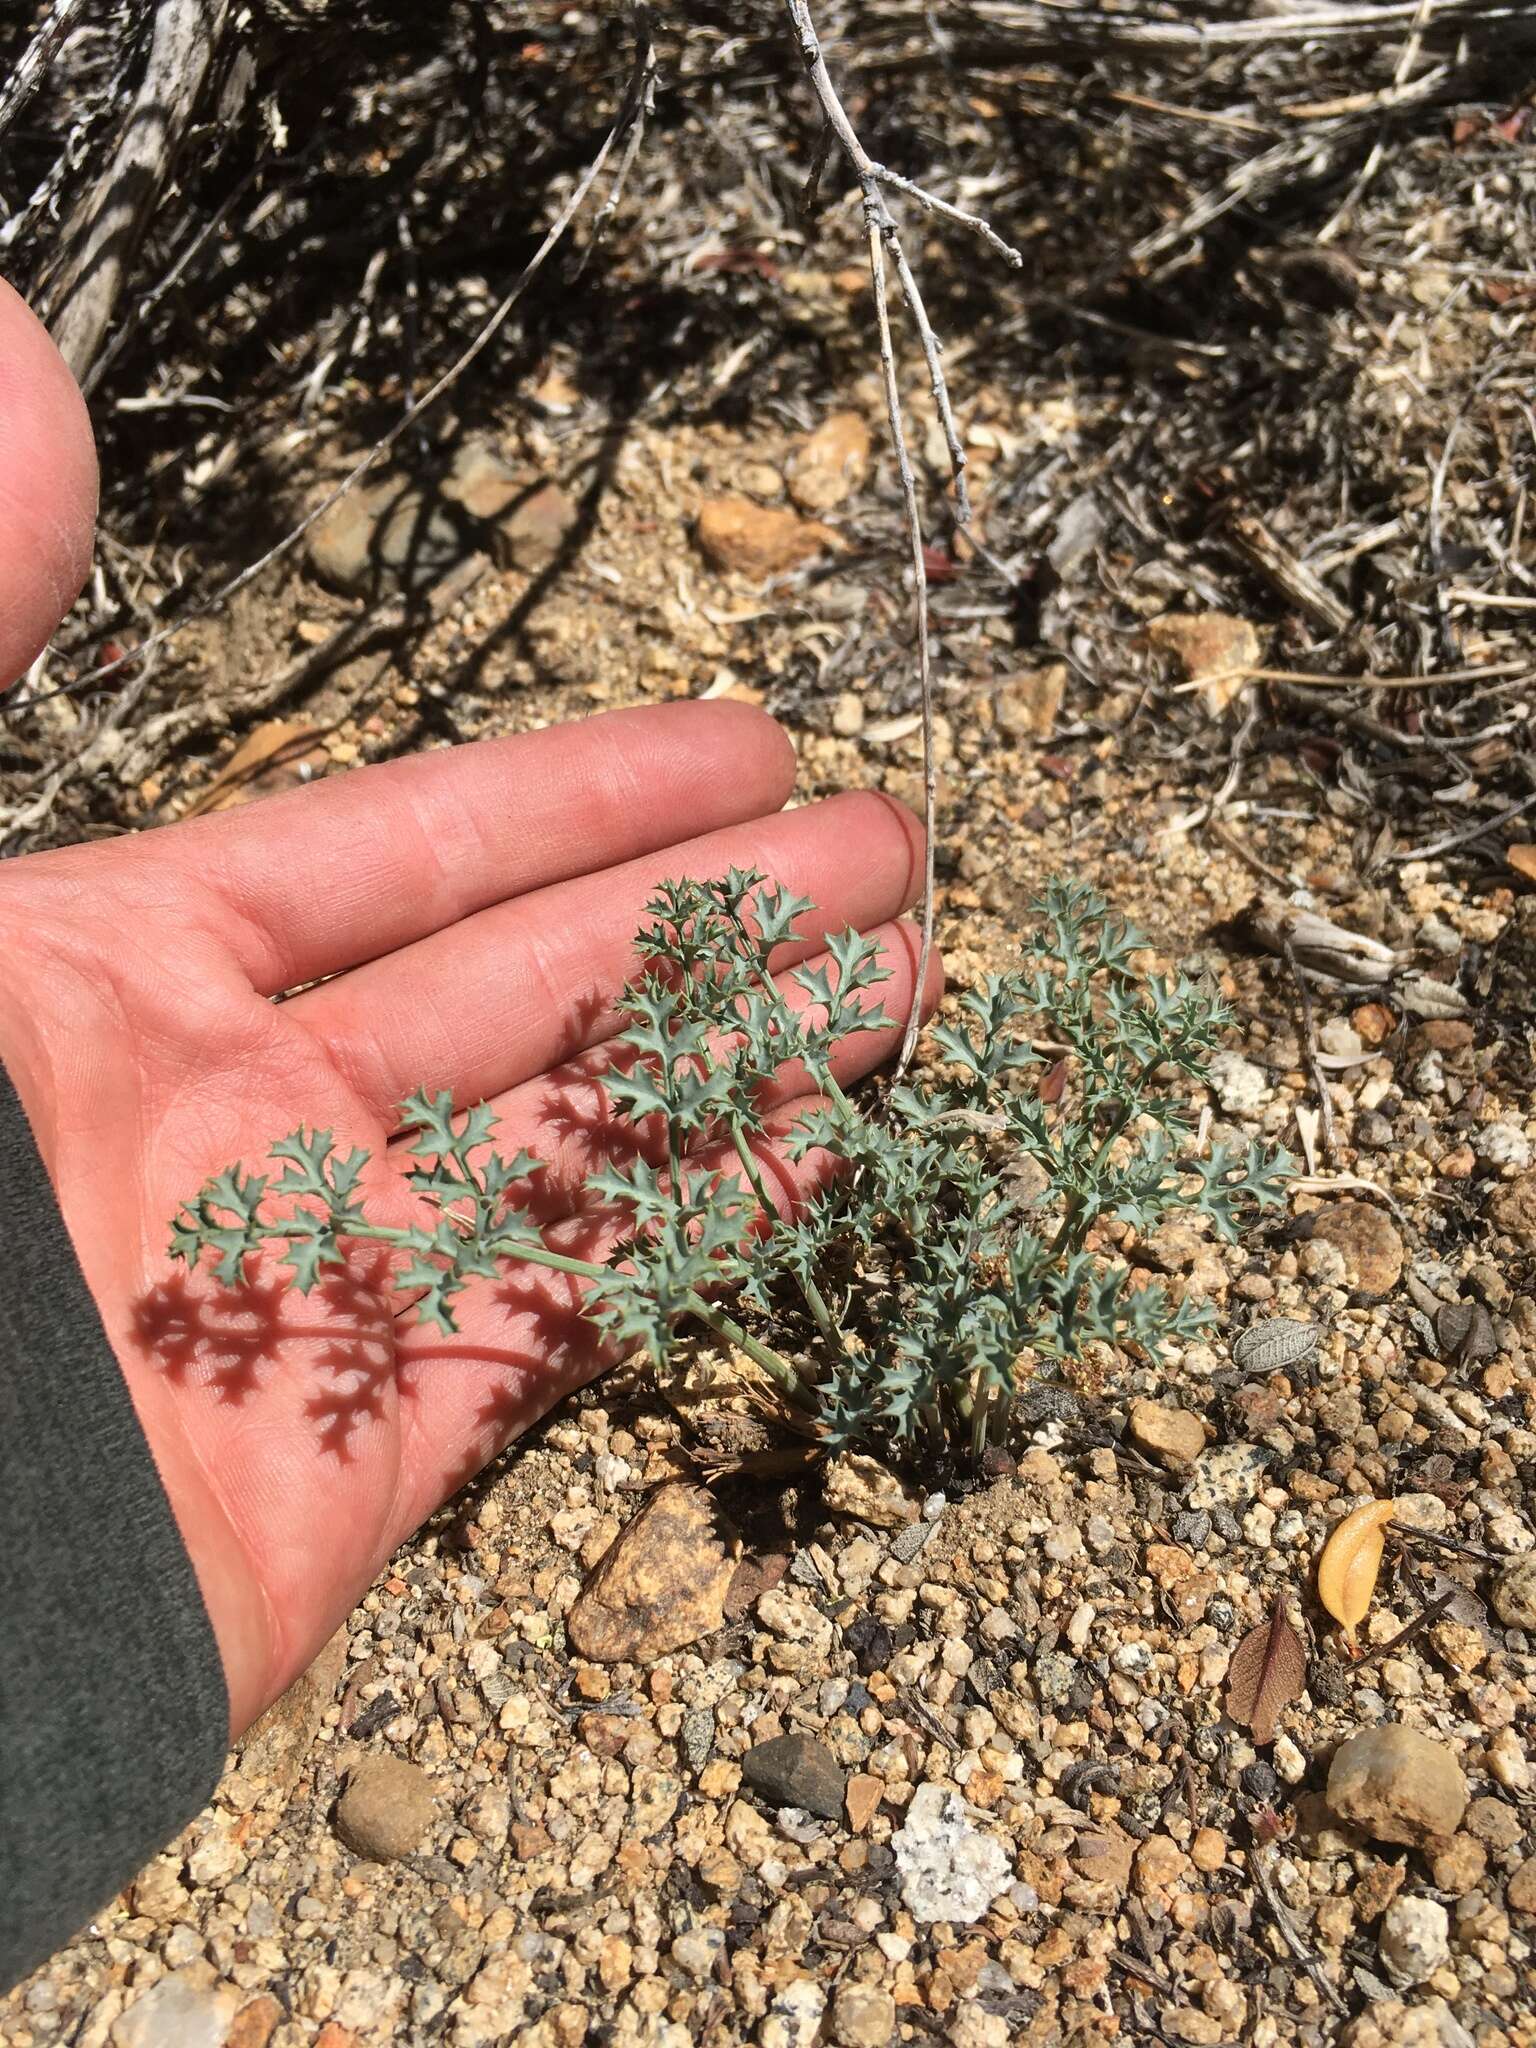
{"type": "Point", "coordinates": [236, 1341]}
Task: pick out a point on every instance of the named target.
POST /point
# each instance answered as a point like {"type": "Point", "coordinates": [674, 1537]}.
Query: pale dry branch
{"type": "Point", "coordinates": [885, 246]}
{"type": "Point", "coordinates": [1052, 25]}
{"type": "Point", "coordinates": [32, 66]}
{"type": "Point", "coordinates": [103, 235]}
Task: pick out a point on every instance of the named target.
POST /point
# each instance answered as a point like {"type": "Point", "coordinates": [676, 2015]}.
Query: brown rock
{"type": "Point", "coordinates": [482, 482]}
{"type": "Point", "coordinates": [1189, 2023]}
{"type": "Point", "coordinates": [1375, 1890]}
{"type": "Point", "coordinates": [604, 1734]}
{"type": "Point", "coordinates": [1258, 1407]}
{"type": "Point", "coordinates": [190, 2008]}
{"type": "Point", "coordinates": [1168, 1564]}
{"type": "Point", "coordinates": [1459, 1865]}
{"type": "Point", "coordinates": [386, 1809]}
{"type": "Point", "coordinates": [1514, 1595]}
{"type": "Point", "coordinates": [1521, 1894]}
{"type": "Point", "coordinates": [1173, 1437]}
{"type": "Point", "coordinates": [1462, 1648]}
{"type": "Point", "coordinates": [1443, 1035]}
{"type": "Point", "coordinates": [719, 1872]}
{"type": "Point", "coordinates": [833, 462]}
{"type": "Point", "coordinates": [1208, 1851]}
{"type": "Point", "coordinates": [386, 533]}
{"type": "Point", "coordinates": [254, 2024]}
{"type": "Point", "coordinates": [1512, 1209]}
{"type": "Point", "coordinates": [759, 480]}
{"type": "Point", "coordinates": [274, 1748]}
{"type": "Point", "coordinates": [863, 2016]}
{"type": "Point", "coordinates": [663, 1584]}
{"type": "Point", "coordinates": [1368, 1241]}
{"type": "Point", "coordinates": [1397, 1785]}
{"type": "Point", "coordinates": [158, 1892]}
{"type": "Point", "coordinates": [1102, 1856]}
{"type": "Point", "coordinates": [752, 1578]}
{"type": "Point", "coordinates": [1029, 703]}
{"type": "Point", "coordinates": [1389, 2023]}
{"type": "Point", "coordinates": [1212, 648]}
{"type": "Point", "coordinates": [797, 1770]}
{"type": "Point", "coordinates": [743, 539]}
{"type": "Point", "coordinates": [1374, 1022]}
{"type": "Point", "coordinates": [531, 535]}
{"type": "Point", "coordinates": [1190, 1597]}
{"type": "Point", "coordinates": [1493, 1821]}
{"type": "Point", "coordinates": [862, 1800]}
{"type": "Point", "coordinates": [1159, 1862]}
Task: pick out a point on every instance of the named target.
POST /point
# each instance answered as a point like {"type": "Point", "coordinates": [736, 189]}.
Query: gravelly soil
{"type": "Point", "coordinates": [587, 1860]}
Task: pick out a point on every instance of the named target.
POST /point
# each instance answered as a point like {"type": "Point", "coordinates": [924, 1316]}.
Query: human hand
{"type": "Point", "coordinates": [468, 916]}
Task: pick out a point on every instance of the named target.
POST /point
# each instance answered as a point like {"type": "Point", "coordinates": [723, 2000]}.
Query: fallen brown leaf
{"type": "Point", "coordinates": [1268, 1671]}
{"type": "Point", "coordinates": [263, 748]}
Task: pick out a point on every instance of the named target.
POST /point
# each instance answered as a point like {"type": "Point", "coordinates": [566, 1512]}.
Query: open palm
{"type": "Point", "coordinates": [175, 1002]}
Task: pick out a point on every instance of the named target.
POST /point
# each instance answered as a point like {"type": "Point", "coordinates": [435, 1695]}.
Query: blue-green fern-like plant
{"type": "Point", "coordinates": [899, 1304]}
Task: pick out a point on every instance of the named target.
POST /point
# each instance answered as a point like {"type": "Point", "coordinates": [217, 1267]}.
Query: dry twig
{"type": "Point", "coordinates": [1309, 1039]}
{"type": "Point", "coordinates": [885, 245]}
{"type": "Point", "coordinates": [33, 63]}
{"type": "Point", "coordinates": [103, 237]}
{"type": "Point", "coordinates": [1258, 1864]}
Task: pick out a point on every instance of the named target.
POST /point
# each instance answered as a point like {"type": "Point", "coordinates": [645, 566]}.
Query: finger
{"type": "Point", "coordinates": [565, 1119]}
{"type": "Point", "coordinates": [520, 988]}
{"type": "Point", "coordinates": [524, 1341]}
{"type": "Point", "coordinates": [317, 880]}
{"type": "Point", "coordinates": [47, 487]}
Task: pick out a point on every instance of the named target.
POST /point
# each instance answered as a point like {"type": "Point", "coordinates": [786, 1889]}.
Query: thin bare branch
{"type": "Point", "coordinates": [103, 236]}
{"type": "Point", "coordinates": [885, 246]}
{"type": "Point", "coordinates": [32, 66]}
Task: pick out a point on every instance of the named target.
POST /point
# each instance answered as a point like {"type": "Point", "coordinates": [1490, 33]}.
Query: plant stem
{"type": "Point", "coordinates": [528, 1249]}
{"type": "Point", "coordinates": [814, 1299]}
{"type": "Point", "coordinates": [981, 1411]}
{"type": "Point", "coordinates": [774, 1363]}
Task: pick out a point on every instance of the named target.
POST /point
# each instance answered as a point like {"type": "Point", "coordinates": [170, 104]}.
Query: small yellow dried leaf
{"type": "Point", "coordinates": [1346, 1571]}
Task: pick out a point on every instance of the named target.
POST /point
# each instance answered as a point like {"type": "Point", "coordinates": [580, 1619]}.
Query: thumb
{"type": "Point", "coordinates": [47, 487]}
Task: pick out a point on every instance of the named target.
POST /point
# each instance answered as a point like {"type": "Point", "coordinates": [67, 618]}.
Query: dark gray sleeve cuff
{"type": "Point", "coordinates": [113, 1710]}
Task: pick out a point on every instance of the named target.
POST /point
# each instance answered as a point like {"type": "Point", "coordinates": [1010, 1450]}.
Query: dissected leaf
{"type": "Point", "coordinates": [1268, 1671]}
{"type": "Point", "coordinates": [1346, 1571]}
